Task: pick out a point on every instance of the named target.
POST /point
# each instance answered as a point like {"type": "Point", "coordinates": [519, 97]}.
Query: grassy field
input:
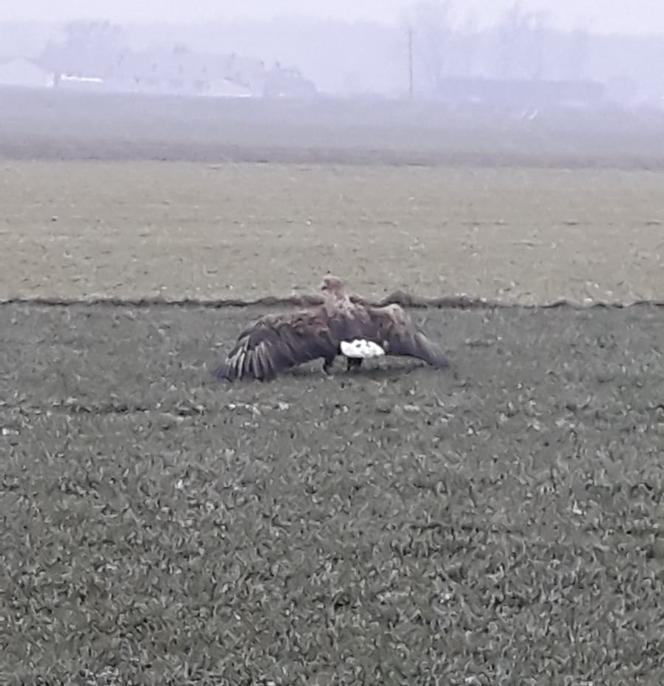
{"type": "Point", "coordinates": [495, 523]}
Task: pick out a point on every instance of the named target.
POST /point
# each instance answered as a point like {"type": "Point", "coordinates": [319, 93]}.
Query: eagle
{"type": "Point", "coordinates": [338, 326]}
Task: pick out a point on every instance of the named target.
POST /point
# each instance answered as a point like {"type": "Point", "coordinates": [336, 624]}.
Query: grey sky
{"type": "Point", "coordinates": [643, 16]}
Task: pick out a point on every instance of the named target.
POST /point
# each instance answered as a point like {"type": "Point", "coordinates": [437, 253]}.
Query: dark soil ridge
{"type": "Point", "coordinates": [462, 302]}
{"type": "Point", "coordinates": [217, 155]}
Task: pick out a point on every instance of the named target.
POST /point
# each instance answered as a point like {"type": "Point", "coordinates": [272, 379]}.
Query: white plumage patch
{"type": "Point", "coordinates": [362, 349]}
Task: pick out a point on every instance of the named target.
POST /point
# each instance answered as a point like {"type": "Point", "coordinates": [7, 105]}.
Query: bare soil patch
{"type": "Point", "coordinates": [184, 230]}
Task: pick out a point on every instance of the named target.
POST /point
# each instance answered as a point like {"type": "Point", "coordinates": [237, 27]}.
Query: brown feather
{"type": "Point", "coordinates": [275, 343]}
{"type": "Point", "coordinates": [397, 333]}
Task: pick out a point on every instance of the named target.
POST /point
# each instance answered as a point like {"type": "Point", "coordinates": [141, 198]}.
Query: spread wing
{"type": "Point", "coordinates": [276, 343]}
{"type": "Point", "coordinates": [395, 331]}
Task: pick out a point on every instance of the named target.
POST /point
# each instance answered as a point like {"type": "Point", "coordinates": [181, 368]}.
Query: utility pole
{"type": "Point", "coordinates": [410, 61]}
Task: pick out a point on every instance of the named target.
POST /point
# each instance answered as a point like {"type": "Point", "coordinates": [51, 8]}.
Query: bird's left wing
{"type": "Point", "coordinates": [276, 343]}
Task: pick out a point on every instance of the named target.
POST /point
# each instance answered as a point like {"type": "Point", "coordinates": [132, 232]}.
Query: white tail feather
{"type": "Point", "coordinates": [361, 349]}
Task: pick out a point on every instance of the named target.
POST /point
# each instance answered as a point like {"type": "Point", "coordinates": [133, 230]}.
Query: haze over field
{"type": "Point", "coordinates": [640, 16]}
{"type": "Point", "coordinates": [350, 48]}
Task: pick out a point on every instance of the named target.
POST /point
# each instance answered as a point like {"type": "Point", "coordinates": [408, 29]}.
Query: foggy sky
{"type": "Point", "coordinates": [643, 16]}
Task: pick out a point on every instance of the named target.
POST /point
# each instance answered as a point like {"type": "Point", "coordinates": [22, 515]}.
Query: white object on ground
{"type": "Point", "coordinates": [361, 349]}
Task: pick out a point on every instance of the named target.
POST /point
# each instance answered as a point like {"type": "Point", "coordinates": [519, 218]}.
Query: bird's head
{"type": "Point", "coordinates": [332, 284]}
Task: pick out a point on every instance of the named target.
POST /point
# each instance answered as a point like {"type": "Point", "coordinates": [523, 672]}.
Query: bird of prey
{"type": "Point", "coordinates": [339, 326]}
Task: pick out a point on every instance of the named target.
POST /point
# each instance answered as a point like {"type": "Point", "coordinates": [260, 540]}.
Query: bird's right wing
{"type": "Point", "coordinates": [276, 343]}
{"type": "Point", "coordinates": [394, 329]}
{"type": "Point", "coordinates": [417, 345]}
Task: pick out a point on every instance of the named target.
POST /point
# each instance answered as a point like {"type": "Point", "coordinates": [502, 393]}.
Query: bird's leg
{"type": "Point", "coordinates": [353, 363]}
{"type": "Point", "coordinates": [328, 363]}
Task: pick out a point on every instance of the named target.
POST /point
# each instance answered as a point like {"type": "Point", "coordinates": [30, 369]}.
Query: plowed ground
{"type": "Point", "coordinates": [496, 523]}
{"type": "Point", "coordinates": [132, 230]}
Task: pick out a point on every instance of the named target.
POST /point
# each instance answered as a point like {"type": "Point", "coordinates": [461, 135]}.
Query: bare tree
{"type": "Point", "coordinates": [467, 59]}
{"type": "Point", "coordinates": [520, 41]}
{"type": "Point", "coordinates": [579, 50]}
{"type": "Point", "coordinates": [432, 32]}
{"type": "Point", "coordinates": [87, 48]}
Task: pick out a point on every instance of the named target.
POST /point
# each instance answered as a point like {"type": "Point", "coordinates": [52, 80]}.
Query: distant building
{"type": "Point", "coordinates": [225, 88]}
{"type": "Point", "coordinates": [24, 73]}
{"type": "Point", "coordinates": [287, 83]}
{"type": "Point", "coordinates": [80, 83]}
{"type": "Point", "coordinates": [521, 92]}
{"type": "Point", "coordinates": [177, 70]}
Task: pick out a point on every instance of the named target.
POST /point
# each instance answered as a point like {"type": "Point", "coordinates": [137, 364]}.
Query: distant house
{"type": "Point", "coordinates": [81, 83]}
{"type": "Point", "coordinates": [179, 71]}
{"type": "Point", "coordinates": [225, 88]}
{"type": "Point", "coordinates": [173, 70]}
{"type": "Point", "coordinates": [283, 82]}
{"type": "Point", "coordinates": [24, 73]}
